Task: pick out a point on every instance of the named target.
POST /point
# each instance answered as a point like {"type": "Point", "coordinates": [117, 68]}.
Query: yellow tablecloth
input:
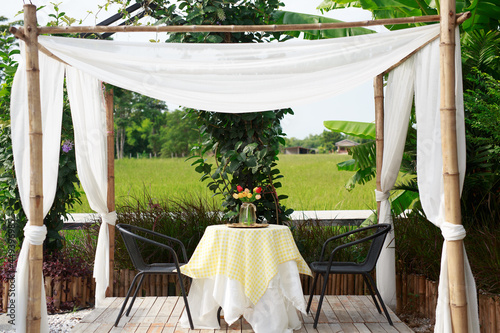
{"type": "Point", "coordinates": [250, 256]}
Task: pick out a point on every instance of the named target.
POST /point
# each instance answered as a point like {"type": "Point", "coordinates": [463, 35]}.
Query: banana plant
{"type": "Point", "coordinates": [485, 14]}
{"type": "Point", "coordinates": [364, 163]}
{"type": "Point", "coordinates": [285, 17]}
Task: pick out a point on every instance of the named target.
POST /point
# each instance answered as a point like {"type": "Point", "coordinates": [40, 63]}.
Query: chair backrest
{"type": "Point", "coordinates": [376, 246]}
{"type": "Point", "coordinates": [131, 243]}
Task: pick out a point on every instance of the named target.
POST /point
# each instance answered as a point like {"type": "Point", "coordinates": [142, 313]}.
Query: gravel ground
{"type": "Point", "coordinates": [58, 323]}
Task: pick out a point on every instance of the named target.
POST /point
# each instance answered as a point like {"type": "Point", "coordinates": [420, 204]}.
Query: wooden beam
{"type": "Point", "coordinates": [33, 318]}
{"type": "Point", "coordinates": [237, 28]}
{"type": "Point", "coordinates": [451, 174]}
{"type": "Point", "coordinates": [378, 85]}
{"type": "Point", "coordinates": [111, 184]}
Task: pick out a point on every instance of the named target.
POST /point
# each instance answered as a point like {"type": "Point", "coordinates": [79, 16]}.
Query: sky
{"type": "Point", "coordinates": [355, 105]}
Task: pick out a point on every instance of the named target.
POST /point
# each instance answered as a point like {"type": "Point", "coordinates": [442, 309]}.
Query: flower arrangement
{"type": "Point", "coordinates": [246, 196]}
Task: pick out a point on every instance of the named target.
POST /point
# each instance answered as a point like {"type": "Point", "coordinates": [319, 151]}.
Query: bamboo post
{"type": "Point", "coordinates": [238, 28]}
{"type": "Point", "coordinates": [111, 184]}
{"type": "Point", "coordinates": [378, 85]}
{"type": "Point", "coordinates": [5, 296]}
{"type": "Point", "coordinates": [456, 274]}
{"type": "Point", "coordinates": [33, 318]}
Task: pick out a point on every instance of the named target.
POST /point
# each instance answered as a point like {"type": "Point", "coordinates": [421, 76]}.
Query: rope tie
{"type": "Point", "coordinates": [109, 218]}
{"type": "Point", "coordinates": [35, 234]}
{"type": "Point", "coordinates": [452, 232]}
{"type": "Point", "coordinates": [382, 196]}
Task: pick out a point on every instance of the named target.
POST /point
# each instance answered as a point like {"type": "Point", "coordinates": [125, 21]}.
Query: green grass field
{"type": "Point", "coordinates": [312, 182]}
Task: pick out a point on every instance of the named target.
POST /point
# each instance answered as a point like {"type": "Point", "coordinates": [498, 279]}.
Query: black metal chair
{"type": "Point", "coordinates": [132, 241]}
{"type": "Point", "coordinates": [326, 268]}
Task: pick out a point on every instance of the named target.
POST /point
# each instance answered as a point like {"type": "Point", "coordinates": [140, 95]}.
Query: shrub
{"type": "Point", "coordinates": [310, 235]}
{"type": "Point", "coordinates": [419, 245]}
{"type": "Point", "coordinates": [183, 218]}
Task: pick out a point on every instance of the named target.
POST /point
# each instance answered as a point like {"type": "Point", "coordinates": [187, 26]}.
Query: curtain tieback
{"type": "Point", "coordinates": [452, 232]}
{"type": "Point", "coordinates": [109, 218]}
{"type": "Point", "coordinates": [35, 234]}
{"type": "Point", "coordinates": [381, 196]}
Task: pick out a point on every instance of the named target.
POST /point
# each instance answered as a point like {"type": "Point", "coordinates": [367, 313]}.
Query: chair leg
{"type": "Point", "coordinates": [320, 303]}
{"type": "Point", "coordinates": [126, 298]}
{"type": "Point", "coordinates": [371, 292]}
{"type": "Point", "coordinates": [181, 281]}
{"type": "Point", "coordinates": [380, 299]}
{"type": "Point", "coordinates": [218, 314]}
{"type": "Point", "coordinates": [315, 280]}
{"type": "Point", "coordinates": [135, 294]}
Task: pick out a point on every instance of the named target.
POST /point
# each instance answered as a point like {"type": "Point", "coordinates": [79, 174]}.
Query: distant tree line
{"type": "Point", "coordinates": [145, 126]}
{"type": "Point", "coordinates": [324, 142]}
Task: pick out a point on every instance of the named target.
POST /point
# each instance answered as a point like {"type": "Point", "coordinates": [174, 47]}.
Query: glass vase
{"type": "Point", "coordinates": [247, 213]}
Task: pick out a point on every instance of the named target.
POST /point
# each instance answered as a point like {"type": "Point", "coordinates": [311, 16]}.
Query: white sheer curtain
{"type": "Point", "coordinates": [51, 91]}
{"type": "Point", "coordinates": [430, 169]}
{"type": "Point", "coordinates": [228, 77]}
{"type": "Point", "coordinates": [89, 120]}
{"type": "Point", "coordinates": [397, 107]}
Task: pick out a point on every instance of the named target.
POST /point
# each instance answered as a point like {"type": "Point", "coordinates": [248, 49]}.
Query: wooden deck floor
{"type": "Point", "coordinates": [160, 315]}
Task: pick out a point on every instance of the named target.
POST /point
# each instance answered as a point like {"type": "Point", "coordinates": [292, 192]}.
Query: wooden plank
{"type": "Point", "coordinates": [348, 328]}
{"type": "Point", "coordinates": [388, 328]}
{"type": "Point", "coordinates": [172, 324]}
{"type": "Point", "coordinates": [127, 327]}
{"type": "Point", "coordinates": [109, 316]}
{"type": "Point", "coordinates": [85, 327]}
{"type": "Point", "coordinates": [391, 313]}
{"type": "Point", "coordinates": [362, 309]}
{"type": "Point", "coordinates": [351, 310]}
{"type": "Point", "coordinates": [330, 315]}
{"type": "Point", "coordinates": [245, 326]}
{"type": "Point", "coordinates": [178, 309]}
{"type": "Point", "coordinates": [154, 310]}
{"type": "Point", "coordinates": [91, 317]}
{"type": "Point", "coordinates": [314, 308]}
{"type": "Point", "coordinates": [126, 319]}
{"type": "Point", "coordinates": [339, 309]}
{"type": "Point", "coordinates": [379, 317]}
{"type": "Point", "coordinates": [309, 328]}
{"type": "Point", "coordinates": [375, 328]}
{"type": "Point", "coordinates": [144, 308]}
{"type": "Point", "coordinates": [336, 328]}
{"type": "Point", "coordinates": [166, 309]}
{"type": "Point", "coordinates": [323, 328]}
{"type": "Point", "coordinates": [156, 328]}
{"type": "Point", "coordinates": [104, 328]}
{"type": "Point", "coordinates": [235, 327]}
{"type": "Point", "coordinates": [142, 328]}
{"type": "Point", "coordinates": [223, 327]}
{"type": "Point", "coordinates": [361, 327]}
{"type": "Point", "coordinates": [402, 328]}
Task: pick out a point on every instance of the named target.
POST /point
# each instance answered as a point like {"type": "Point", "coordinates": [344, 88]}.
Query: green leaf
{"type": "Point", "coordinates": [214, 39]}
{"type": "Point", "coordinates": [284, 17]}
{"type": "Point", "coordinates": [359, 129]}
{"type": "Point", "coordinates": [349, 165]}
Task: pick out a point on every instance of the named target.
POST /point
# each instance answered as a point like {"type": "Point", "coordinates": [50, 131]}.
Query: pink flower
{"type": "Point", "coordinates": [239, 188]}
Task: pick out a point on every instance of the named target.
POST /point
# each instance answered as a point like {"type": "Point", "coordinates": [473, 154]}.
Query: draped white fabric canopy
{"type": "Point", "coordinates": [241, 78]}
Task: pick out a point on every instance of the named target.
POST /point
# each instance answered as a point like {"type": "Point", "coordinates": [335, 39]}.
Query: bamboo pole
{"type": "Point", "coordinates": [111, 184]}
{"type": "Point", "coordinates": [456, 274]}
{"type": "Point", "coordinates": [239, 28]}
{"type": "Point", "coordinates": [236, 28]}
{"type": "Point", "coordinates": [378, 85]}
{"type": "Point", "coordinates": [33, 319]}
